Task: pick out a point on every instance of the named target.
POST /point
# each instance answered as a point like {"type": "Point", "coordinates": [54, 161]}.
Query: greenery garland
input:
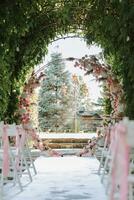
{"type": "Point", "coordinates": [27, 27]}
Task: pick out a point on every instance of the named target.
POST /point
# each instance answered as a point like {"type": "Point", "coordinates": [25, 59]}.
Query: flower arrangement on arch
{"type": "Point", "coordinates": [24, 108]}
{"type": "Point", "coordinates": [103, 72]}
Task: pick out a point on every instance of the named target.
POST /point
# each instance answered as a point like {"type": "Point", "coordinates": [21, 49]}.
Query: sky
{"type": "Point", "coordinates": [76, 47]}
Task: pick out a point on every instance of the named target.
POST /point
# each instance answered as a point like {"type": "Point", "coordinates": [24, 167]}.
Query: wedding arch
{"type": "Point", "coordinates": [91, 65]}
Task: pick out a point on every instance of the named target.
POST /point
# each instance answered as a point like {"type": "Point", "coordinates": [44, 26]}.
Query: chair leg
{"type": "Point", "coordinates": [1, 185]}
{"type": "Point", "coordinates": [105, 167]}
{"type": "Point", "coordinates": [1, 193]}
{"type": "Point", "coordinates": [27, 168]}
{"type": "Point", "coordinates": [16, 177]}
{"type": "Point", "coordinates": [18, 180]}
{"type": "Point", "coordinates": [30, 157]}
{"type": "Point", "coordinates": [33, 166]}
{"type": "Point", "coordinates": [101, 163]}
{"type": "Point", "coordinates": [103, 155]}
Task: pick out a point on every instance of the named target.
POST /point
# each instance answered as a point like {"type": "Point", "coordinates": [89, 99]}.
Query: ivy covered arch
{"type": "Point", "coordinates": [27, 27]}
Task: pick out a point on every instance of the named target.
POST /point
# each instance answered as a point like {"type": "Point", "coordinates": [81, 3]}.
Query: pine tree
{"type": "Point", "coordinates": [53, 104]}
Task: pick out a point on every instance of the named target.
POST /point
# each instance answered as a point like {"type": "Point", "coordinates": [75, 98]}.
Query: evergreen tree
{"type": "Point", "coordinates": [53, 104]}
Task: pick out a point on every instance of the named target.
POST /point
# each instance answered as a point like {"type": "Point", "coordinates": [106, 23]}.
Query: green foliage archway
{"type": "Point", "coordinates": [27, 27]}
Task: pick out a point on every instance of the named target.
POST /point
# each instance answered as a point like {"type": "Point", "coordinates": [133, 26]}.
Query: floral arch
{"type": "Point", "coordinates": [91, 65]}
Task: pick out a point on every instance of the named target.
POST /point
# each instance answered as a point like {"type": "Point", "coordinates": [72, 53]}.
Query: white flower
{"type": "Point", "coordinates": [17, 49]}
{"type": "Point", "coordinates": [128, 38]}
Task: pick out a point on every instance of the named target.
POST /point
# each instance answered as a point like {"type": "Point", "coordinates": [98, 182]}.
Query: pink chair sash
{"type": "Point", "coordinates": [124, 162]}
{"type": "Point", "coordinates": [20, 142]}
{"type": "Point", "coordinates": [6, 161]}
{"type": "Point", "coordinates": [120, 162]}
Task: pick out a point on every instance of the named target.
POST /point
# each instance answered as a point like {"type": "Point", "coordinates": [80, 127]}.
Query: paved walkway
{"type": "Point", "coordinates": [62, 178]}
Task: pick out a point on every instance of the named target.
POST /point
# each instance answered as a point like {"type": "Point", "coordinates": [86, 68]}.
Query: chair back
{"type": "Point", "coordinates": [11, 130]}
{"type": "Point", "coordinates": [1, 128]}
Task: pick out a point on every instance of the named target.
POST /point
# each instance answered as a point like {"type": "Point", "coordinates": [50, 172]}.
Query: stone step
{"type": "Point", "coordinates": [66, 145]}
{"type": "Point", "coordinates": [66, 142]}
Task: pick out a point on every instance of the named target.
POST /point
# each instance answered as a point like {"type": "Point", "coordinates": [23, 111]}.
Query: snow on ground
{"type": "Point", "coordinates": [66, 135]}
{"type": "Point", "coordinates": [61, 178]}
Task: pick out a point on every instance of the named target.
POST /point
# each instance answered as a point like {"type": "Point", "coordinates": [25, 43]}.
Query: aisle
{"type": "Point", "coordinates": [64, 178]}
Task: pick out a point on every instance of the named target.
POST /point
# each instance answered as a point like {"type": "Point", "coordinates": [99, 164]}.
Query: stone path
{"type": "Point", "coordinates": [62, 178]}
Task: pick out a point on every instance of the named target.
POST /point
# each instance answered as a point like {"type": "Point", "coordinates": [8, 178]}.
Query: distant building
{"type": "Point", "coordinates": [89, 120]}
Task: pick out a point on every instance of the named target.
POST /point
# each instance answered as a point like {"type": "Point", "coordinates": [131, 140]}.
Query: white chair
{"type": "Point", "coordinates": [104, 151]}
{"type": "Point", "coordinates": [130, 140]}
{"type": "Point", "coordinates": [121, 178]}
{"type": "Point", "coordinates": [16, 156]}
{"type": "Point", "coordinates": [8, 158]}
{"type": "Point", "coordinates": [26, 150]}
{"type": "Point", "coordinates": [1, 159]}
